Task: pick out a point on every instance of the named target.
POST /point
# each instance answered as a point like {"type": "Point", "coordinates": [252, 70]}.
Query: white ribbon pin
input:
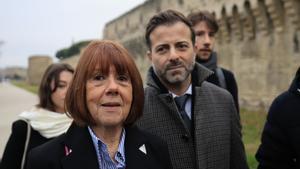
{"type": "Point", "coordinates": [143, 149]}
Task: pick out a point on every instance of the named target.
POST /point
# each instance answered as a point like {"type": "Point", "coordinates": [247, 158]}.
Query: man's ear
{"type": "Point", "coordinates": [149, 55]}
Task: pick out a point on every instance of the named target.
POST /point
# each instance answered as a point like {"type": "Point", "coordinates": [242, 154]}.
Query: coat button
{"type": "Point", "coordinates": [185, 137]}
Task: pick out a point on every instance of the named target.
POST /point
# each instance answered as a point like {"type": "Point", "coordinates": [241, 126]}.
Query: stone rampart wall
{"type": "Point", "coordinates": [258, 40]}
{"type": "Point", "coordinates": [36, 68]}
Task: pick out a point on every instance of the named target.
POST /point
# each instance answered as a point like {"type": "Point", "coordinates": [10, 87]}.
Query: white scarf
{"type": "Point", "coordinates": [49, 124]}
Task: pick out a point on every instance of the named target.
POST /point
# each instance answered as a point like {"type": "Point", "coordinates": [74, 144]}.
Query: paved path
{"type": "Point", "coordinates": [13, 101]}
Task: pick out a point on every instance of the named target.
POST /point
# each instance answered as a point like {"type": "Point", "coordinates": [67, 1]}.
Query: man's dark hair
{"type": "Point", "coordinates": [168, 17]}
{"type": "Point", "coordinates": [207, 17]}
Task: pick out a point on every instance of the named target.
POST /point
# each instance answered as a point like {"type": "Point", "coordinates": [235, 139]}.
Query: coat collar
{"type": "Point", "coordinates": [199, 74]}
{"type": "Point", "coordinates": [82, 153]}
{"type": "Point", "coordinates": [135, 143]}
{"type": "Point", "coordinates": [295, 86]}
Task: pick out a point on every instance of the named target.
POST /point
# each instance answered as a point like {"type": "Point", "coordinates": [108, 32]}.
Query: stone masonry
{"type": "Point", "coordinates": [258, 40]}
{"type": "Point", "coordinates": [36, 68]}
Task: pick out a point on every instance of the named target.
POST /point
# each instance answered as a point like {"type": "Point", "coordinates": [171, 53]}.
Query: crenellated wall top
{"type": "Point", "coordinates": [230, 13]}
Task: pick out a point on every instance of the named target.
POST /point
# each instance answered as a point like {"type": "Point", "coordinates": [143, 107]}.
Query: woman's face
{"type": "Point", "coordinates": [109, 98]}
{"type": "Point", "coordinates": [58, 97]}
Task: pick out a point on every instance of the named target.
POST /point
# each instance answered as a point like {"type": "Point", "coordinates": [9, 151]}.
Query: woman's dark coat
{"type": "Point", "coordinates": [82, 154]}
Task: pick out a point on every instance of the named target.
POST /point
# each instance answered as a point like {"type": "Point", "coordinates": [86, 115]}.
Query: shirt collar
{"type": "Point", "coordinates": [120, 154]}
{"type": "Point", "coordinates": [188, 91]}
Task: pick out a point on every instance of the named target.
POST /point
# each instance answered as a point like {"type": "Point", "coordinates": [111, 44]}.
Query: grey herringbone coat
{"type": "Point", "coordinates": [215, 142]}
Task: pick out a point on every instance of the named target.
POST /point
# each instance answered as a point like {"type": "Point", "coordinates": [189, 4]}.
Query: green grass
{"type": "Point", "coordinates": [26, 86]}
{"type": "Point", "coordinates": [252, 122]}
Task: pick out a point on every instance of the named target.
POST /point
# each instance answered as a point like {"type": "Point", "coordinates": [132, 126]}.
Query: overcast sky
{"type": "Point", "coordinates": [41, 27]}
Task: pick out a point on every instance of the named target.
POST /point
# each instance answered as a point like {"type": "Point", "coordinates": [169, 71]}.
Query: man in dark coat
{"type": "Point", "coordinates": [203, 131]}
{"type": "Point", "coordinates": [280, 144]}
{"type": "Point", "coordinates": [205, 27]}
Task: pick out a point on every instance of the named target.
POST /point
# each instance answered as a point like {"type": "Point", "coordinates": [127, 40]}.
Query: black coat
{"type": "Point", "coordinates": [13, 153]}
{"type": "Point", "coordinates": [280, 147]}
{"type": "Point", "coordinates": [83, 156]}
{"type": "Point", "coordinates": [230, 84]}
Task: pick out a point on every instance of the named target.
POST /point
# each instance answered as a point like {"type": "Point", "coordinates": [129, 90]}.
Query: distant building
{"type": "Point", "coordinates": [13, 73]}
{"type": "Point", "coordinates": [36, 67]}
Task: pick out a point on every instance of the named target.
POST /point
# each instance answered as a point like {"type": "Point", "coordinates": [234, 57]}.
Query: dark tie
{"type": "Point", "coordinates": [180, 102]}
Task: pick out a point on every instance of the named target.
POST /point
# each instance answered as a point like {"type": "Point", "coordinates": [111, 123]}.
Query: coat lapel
{"type": "Point", "coordinates": [135, 148]}
{"type": "Point", "coordinates": [168, 101]}
{"type": "Point", "coordinates": [82, 153]}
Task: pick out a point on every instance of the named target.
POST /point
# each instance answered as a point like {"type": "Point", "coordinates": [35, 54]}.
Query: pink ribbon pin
{"type": "Point", "coordinates": [67, 151]}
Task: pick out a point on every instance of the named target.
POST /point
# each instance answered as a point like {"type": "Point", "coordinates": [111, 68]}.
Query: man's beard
{"type": "Point", "coordinates": [175, 77]}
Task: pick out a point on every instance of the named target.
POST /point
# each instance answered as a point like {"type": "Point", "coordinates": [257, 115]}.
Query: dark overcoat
{"type": "Point", "coordinates": [215, 141]}
{"type": "Point", "coordinates": [280, 143]}
{"type": "Point", "coordinates": [14, 149]}
{"type": "Point", "coordinates": [82, 154]}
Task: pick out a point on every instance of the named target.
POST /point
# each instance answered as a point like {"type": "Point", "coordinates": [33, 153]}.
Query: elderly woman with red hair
{"type": "Point", "coordinates": [105, 99]}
